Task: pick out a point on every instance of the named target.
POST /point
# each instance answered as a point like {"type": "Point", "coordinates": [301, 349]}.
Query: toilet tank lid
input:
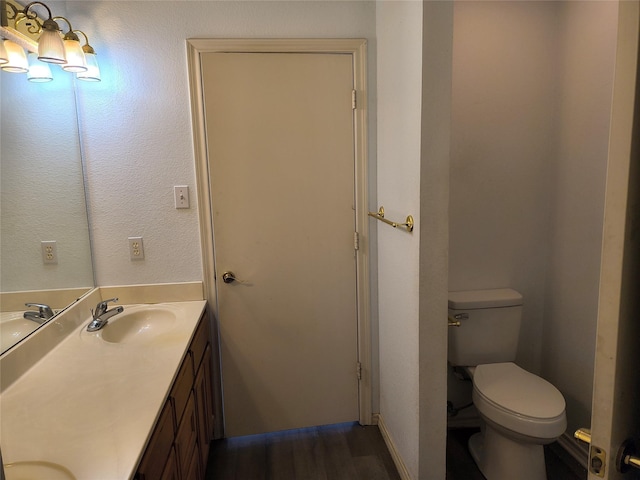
{"type": "Point", "coordinates": [496, 297]}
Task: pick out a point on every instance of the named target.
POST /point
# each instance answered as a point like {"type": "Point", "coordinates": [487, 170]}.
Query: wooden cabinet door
{"type": "Point", "coordinates": [186, 438]}
{"type": "Point", "coordinates": [171, 468]}
{"type": "Point", "coordinates": [159, 447]}
{"type": "Point", "coordinates": [204, 406]}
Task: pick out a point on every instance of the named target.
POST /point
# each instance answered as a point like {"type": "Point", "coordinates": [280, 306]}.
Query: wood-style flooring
{"type": "Point", "coordinates": [346, 451]}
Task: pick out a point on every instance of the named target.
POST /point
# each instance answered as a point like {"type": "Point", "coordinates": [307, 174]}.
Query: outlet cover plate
{"type": "Point", "coordinates": [136, 248]}
{"type": "Point", "coordinates": [49, 252]}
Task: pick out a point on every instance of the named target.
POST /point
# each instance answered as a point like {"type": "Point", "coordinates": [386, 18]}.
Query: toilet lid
{"type": "Point", "coordinates": [512, 388]}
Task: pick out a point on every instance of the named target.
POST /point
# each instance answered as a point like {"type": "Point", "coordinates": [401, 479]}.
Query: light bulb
{"type": "Point", "coordinates": [38, 71]}
{"type": "Point", "coordinates": [4, 58]}
{"type": "Point", "coordinates": [93, 71]}
{"type": "Point", "coordinates": [75, 56]}
{"type": "Point", "coordinates": [17, 60]}
{"type": "Point", "coordinates": [50, 45]}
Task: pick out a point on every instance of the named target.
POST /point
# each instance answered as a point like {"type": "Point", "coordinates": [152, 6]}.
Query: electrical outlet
{"type": "Point", "coordinates": [181, 196]}
{"type": "Point", "coordinates": [136, 249]}
{"type": "Point", "coordinates": [49, 252]}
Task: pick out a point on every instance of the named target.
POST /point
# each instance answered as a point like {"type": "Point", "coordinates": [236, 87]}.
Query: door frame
{"type": "Point", "coordinates": [617, 306]}
{"type": "Point", "coordinates": [357, 48]}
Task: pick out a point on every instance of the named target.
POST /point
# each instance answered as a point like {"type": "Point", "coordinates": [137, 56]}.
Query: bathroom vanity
{"type": "Point", "coordinates": [125, 402]}
{"type": "Point", "coordinates": [185, 426]}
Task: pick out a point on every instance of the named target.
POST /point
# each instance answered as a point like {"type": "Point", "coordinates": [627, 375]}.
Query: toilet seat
{"type": "Point", "coordinates": [519, 400]}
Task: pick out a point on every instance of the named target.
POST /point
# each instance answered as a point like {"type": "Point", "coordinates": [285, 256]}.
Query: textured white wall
{"type": "Point", "coordinates": [588, 40]}
{"type": "Point", "coordinates": [399, 76]}
{"type": "Point", "coordinates": [136, 122]}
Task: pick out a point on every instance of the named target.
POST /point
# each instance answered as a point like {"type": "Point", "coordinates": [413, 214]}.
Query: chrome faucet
{"type": "Point", "coordinates": [43, 314]}
{"type": "Point", "coordinates": [101, 315]}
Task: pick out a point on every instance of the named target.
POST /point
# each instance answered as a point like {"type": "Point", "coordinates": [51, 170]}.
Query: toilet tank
{"type": "Point", "coordinates": [489, 326]}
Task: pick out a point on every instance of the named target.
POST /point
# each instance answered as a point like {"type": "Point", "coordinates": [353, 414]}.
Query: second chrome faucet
{"type": "Point", "coordinates": [101, 315]}
{"type": "Point", "coordinates": [43, 314]}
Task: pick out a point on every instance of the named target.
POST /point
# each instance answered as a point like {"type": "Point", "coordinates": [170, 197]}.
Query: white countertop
{"type": "Point", "coordinates": [89, 406]}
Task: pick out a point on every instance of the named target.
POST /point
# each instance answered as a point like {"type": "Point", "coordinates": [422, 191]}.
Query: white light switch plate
{"type": "Point", "coordinates": [181, 196]}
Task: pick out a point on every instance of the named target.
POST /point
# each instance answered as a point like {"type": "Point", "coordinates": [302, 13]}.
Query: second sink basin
{"type": "Point", "coordinates": [138, 324]}
{"type": "Point", "coordinates": [26, 470]}
{"type": "Point", "coordinates": [13, 328]}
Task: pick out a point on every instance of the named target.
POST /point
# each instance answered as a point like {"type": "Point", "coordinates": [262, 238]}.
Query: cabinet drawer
{"type": "Point", "coordinates": [182, 388]}
{"type": "Point", "coordinates": [159, 448]}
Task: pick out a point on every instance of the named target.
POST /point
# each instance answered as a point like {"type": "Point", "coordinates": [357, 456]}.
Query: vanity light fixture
{"type": "Point", "coordinates": [73, 50]}
{"type": "Point", "coordinates": [93, 71]}
{"type": "Point", "coordinates": [16, 59]}
{"type": "Point", "coordinates": [3, 53]}
{"type": "Point", "coordinates": [39, 71]}
{"type": "Point", "coordinates": [52, 46]}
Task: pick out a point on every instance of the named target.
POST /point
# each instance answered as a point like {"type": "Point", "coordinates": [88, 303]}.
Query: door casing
{"type": "Point", "coordinates": [616, 390]}
{"type": "Point", "coordinates": [357, 48]}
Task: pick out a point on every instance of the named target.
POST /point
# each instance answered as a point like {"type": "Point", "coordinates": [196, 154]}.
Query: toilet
{"type": "Point", "coordinates": [520, 412]}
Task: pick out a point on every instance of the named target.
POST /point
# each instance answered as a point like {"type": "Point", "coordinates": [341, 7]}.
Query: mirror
{"type": "Point", "coordinates": [42, 199]}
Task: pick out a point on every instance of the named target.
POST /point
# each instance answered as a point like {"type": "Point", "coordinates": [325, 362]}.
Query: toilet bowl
{"type": "Point", "coordinates": [521, 413]}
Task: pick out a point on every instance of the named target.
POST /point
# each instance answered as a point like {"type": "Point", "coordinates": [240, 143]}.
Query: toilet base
{"type": "Point", "coordinates": [501, 458]}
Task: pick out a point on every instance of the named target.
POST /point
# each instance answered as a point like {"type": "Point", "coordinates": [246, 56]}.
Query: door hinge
{"type": "Point", "coordinates": [359, 370]}
{"type": "Point", "coordinates": [356, 241]}
{"type": "Point", "coordinates": [354, 103]}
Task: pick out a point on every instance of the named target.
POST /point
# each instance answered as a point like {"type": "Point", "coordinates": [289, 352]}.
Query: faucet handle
{"type": "Point", "coordinates": [103, 304]}
{"type": "Point", "coordinates": [44, 311]}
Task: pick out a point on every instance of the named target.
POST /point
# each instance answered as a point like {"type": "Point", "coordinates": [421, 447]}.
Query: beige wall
{"type": "Point", "coordinates": [588, 39]}
{"type": "Point", "coordinates": [399, 61]}
{"type": "Point", "coordinates": [414, 92]}
{"type": "Point", "coordinates": [531, 100]}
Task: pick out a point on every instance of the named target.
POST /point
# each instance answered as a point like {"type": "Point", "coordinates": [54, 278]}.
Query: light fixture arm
{"type": "Point", "coordinates": [86, 48]}
{"type": "Point", "coordinates": [70, 35]}
{"type": "Point", "coordinates": [30, 17]}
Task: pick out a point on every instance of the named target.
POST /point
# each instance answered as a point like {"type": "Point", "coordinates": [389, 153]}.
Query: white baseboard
{"type": "Point", "coordinates": [397, 459]}
{"type": "Point", "coordinates": [579, 452]}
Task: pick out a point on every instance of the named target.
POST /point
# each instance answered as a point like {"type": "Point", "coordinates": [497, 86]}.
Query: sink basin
{"type": "Point", "coordinates": [30, 470]}
{"type": "Point", "coordinates": [13, 327]}
{"type": "Point", "coordinates": [138, 324]}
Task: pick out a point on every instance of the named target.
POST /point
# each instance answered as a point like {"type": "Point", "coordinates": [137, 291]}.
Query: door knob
{"type": "Point", "coordinates": [628, 456]}
{"type": "Point", "coordinates": [228, 277]}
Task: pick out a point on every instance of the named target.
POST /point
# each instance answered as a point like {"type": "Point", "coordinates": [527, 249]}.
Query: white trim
{"type": "Point", "coordinates": [356, 48]}
{"type": "Point", "coordinates": [397, 458]}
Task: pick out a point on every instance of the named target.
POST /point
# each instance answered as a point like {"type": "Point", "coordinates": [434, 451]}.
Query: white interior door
{"type": "Point", "coordinates": [280, 141]}
{"type": "Point", "coordinates": [616, 401]}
